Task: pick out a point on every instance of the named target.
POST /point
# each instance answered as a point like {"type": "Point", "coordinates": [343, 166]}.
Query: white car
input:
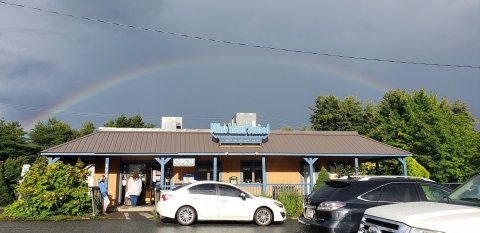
{"type": "Point", "coordinates": [210, 200]}
{"type": "Point", "coordinates": [458, 212]}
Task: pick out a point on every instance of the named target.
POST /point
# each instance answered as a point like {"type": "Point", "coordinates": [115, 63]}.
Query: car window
{"type": "Point", "coordinates": [373, 195]}
{"type": "Point", "coordinates": [331, 189]}
{"type": "Point", "coordinates": [204, 189]}
{"type": "Point", "coordinates": [228, 191]}
{"type": "Point", "coordinates": [433, 192]}
{"type": "Point", "coordinates": [398, 192]}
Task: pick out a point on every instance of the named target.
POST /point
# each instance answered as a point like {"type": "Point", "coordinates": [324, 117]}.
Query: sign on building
{"type": "Point", "coordinates": [184, 162]}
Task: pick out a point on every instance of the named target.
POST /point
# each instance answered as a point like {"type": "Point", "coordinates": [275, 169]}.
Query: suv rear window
{"type": "Point", "coordinates": [331, 189]}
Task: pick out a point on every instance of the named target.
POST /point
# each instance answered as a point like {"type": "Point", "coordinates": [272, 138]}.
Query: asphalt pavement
{"type": "Point", "coordinates": [138, 222]}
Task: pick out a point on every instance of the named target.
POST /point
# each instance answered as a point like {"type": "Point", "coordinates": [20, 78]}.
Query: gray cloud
{"type": "Point", "coordinates": [46, 59]}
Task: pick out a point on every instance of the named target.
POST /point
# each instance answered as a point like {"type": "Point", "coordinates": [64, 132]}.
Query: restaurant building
{"type": "Point", "coordinates": [259, 160]}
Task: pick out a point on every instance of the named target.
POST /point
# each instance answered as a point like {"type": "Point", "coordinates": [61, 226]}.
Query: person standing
{"type": "Point", "coordinates": [103, 184]}
{"type": "Point", "coordinates": [134, 188]}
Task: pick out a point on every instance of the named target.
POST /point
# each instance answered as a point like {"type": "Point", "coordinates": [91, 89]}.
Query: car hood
{"type": "Point", "coordinates": [431, 215]}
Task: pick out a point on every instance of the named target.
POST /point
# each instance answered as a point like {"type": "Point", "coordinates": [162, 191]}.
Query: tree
{"type": "Point", "coordinates": [416, 169]}
{"type": "Point", "coordinates": [322, 178]}
{"type": "Point", "coordinates": [51, 133]}
{"type": "Point", "coordinates": [87, 128]}
{"type": "Point", "coordinates": [440, 134]}
{"type": "Point", "coordinates": [13, 142]}
{"type": "Point", "coordinates": [286, 128]}
{"type": "Point", "coordinates": [128, 122]}
{"type": "Point", "coordinates": [331, 113]}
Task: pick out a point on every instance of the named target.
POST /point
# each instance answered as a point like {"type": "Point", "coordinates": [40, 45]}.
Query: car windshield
{"type": "Point", "coordinates": [331, 189]}
{"type": "Point", "coordinates": [468, 193]}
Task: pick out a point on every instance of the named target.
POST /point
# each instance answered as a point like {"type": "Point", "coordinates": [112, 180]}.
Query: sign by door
{"type": "Point", "coordinates": [184, 162]}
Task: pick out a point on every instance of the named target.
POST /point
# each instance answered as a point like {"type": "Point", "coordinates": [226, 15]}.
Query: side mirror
{"type": "Point", "coordinates": [242, 195]}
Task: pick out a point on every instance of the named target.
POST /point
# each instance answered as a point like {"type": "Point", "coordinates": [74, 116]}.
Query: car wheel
{"type": "Point", "coordinates": [263, 216]}
{"type": "Point", "coordinates": [186, 215]}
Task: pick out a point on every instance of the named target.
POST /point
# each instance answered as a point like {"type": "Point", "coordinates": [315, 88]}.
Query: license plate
{"type": "Point", "coordinates": [309, 213]}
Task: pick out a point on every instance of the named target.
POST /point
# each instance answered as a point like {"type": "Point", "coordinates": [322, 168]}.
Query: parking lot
{"type": "Point", "coordinates": [141, 222]}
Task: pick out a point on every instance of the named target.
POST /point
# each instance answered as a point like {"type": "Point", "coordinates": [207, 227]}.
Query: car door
{"type": "Point", "coordinates": [232, 206]}
{"type": "Point", "coordinates": [398, 193]}
{"type": "Point", "coordinates": [204, 199]}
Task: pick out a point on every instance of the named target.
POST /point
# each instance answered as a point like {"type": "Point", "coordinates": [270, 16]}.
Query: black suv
{"type": "Point", "coordinates": [339, 205]}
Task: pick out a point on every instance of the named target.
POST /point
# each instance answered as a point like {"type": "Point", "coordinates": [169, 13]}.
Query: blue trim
{"type": "Point", "coordinates": [162, 161]}
{"type": "Point", "coordinates": [356, 166]}
{"type": "Point", "coordinates": [310, 162]}
{"type": "Point", "coordinates": [215, 178]}
{"type": "Point", "coordinates": [264, 175]}
{"type": "Point", "coordinates": [404, 165]}
{"type": "Point", "coordinates": [52, 160]}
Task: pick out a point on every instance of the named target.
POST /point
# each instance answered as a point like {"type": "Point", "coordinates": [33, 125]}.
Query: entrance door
{"type": "Point", "coordinates": [144, 171]}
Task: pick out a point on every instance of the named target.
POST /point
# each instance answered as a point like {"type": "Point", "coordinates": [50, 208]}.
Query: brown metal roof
{"type": "Point", "coordinates": [132, 141]}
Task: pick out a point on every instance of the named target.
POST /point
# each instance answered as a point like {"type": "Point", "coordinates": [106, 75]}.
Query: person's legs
{"type": "Point", "coordinates": [133, 199]}
{"type": "Point", "coordinates": [106, 202]}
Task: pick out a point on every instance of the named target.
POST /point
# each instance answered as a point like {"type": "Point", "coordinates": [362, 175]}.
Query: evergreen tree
{"type": "Point", "coordinates": [322, 178]}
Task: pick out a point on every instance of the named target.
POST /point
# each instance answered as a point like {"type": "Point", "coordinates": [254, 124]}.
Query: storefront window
{"type": "Point", "coordinates": [251, 171]}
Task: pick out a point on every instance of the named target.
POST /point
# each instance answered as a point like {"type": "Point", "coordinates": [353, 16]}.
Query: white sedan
{"type": "Point", "coordinates": [210, 200]}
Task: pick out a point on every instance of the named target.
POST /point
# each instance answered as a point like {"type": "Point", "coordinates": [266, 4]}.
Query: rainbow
{"type": "Point", "coordinates": [141, 72]}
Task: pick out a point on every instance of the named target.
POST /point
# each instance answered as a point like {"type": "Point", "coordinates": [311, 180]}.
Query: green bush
{"type": "Point", "coordinates": [5, 197]}
{"type": "Point", "coordinates": [322, 178]}
{"type": "Point", "coordinates": [292, 202]}
{"type": "Point", "coordinates": [416, 169]}
{"type": "Point", "coordinates": [342, 170]}
{"type": "Point", "coordinates": [49, 190]}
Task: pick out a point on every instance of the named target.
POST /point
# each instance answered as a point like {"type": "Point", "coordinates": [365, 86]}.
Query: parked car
{"type": "Point", "coordinates": [458, 212]}
{"type": "Point", "coordinates": [210, 200]}
{"type": "Point", "coordinates": [339, 205]}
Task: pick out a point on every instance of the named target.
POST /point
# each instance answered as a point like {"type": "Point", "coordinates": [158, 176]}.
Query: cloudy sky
{"type": "Point", "coordinates": [79, 70]}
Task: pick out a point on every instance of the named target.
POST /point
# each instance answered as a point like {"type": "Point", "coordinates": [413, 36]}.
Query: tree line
{"type": "Point", "coordinates": [440, 134]}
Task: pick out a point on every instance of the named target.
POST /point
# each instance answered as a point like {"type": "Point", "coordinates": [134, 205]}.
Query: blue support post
{"type": "Point", "coordinates": [107, 167]}
{"type": "Point", "coordinates": [52, 160]}
{"type": "Point", "coordinates": [215, 178]}
{"type": "Point", "coordinates": [162, 161]}
{"type": "Point", "coordinates": [356, 166]}
{"type": "Point", "coordinates": [264, 176]}
{"type": "Point", "coordinates": [404, 165]}
{"type": "Point", "coordinates": [310, 162]}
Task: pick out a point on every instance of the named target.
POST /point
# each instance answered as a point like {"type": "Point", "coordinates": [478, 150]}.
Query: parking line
{"type": "Point", "coordinates": [126, 216]}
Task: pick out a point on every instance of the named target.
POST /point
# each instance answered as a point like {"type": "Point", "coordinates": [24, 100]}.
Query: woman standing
{"type": "Point", "coordinates": [134, 188]}
{"type": "Point", "coordinates": [103, 184]}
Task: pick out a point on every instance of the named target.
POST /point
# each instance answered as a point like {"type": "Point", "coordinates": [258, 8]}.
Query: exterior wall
{"type": "Point", "coordinates": [178, 172]}
{"type": "Point", "coordinates": [283, 170]}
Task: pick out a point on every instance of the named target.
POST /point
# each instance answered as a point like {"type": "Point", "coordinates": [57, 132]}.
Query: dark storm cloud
{"type": "Point", "coordinates": [48, 58]}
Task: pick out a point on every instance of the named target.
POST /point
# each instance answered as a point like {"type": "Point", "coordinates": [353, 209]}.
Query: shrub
{"type": "Point", "coordinates": [342, 170]}
{"type": "Point", "coordinates": [5, 197]}
{"type": "Point", "coordinates": [322, 178]}
{"type": "Point", "coordinates": [292, 202]}
{"type": "Point", "coordinates": [51, 190]}
{"type": "Point", "coordinates": [416, 169]}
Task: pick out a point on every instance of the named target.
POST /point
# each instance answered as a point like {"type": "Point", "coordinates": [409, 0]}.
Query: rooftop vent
{"type": "Point", "coordinates": [245, 119]}
{"type": "Point", "coordinates": [172, 123]}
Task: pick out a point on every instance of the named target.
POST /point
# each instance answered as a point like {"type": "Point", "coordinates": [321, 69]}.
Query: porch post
{"type": "Point", "coordinates": [215, 178]}
{"type": "Point", "coordinates": [310, 162]}
{"type": "Point", "coordinates": [377, 167]}
{"type": "Point", "coordinates": [162, 161]}
{"type": "Point", "coordinates": [264, 176]}
{"type": "Point", "coordinates": [52, 160]}
{"type": "Point", "coordinates": [107, 167]}
{"type": "Point", "coordinates": [404, 165]}
{"type": "Point", "coordinates": [356, 166]}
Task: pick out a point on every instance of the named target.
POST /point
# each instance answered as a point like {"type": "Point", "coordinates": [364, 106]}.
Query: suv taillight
{"type": "Point", "coordinates": [330, 205]}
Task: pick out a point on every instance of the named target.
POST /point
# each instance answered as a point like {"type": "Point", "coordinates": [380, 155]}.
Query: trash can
{"type": "Point", "coordinates": [233, 180]}
{"type": "Point", "coordinates": [96, 200]}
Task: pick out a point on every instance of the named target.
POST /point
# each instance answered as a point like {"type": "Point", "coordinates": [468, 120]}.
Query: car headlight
{"type": "Point", "coordinates": [278, 204]}
{"type": "Point", "coordinates": [419, 230]}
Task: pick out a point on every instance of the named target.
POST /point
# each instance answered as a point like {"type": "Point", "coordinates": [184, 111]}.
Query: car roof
{"type": "Point", "coordinates": [389, 178]}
